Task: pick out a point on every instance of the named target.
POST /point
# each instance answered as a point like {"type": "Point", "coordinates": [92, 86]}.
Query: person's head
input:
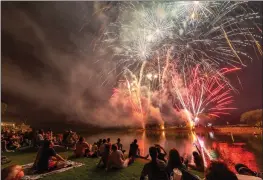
{"type": "Point", "coordinates": [114, 147]}
{"type": "Point", "coordinates": [81, 139]}
{"type": "Point", "coordinates": [218, 171]}
{"type": "Point", "coordinates": [104, 141]}
{"type": "Point", "coordinates": [174, 158]}
{"type": "Point", "coordinates": [40, 131]}
{"type": "Point", "coordinates": [118, 140]}
{"type": "Point", "coordinates": [47, 144]}
{"type": "Point", "coordinates": [153, 153]}
{"type": "Point", "coordinates": [135, 141]}
{"type": "Point", "coordinates": [13, 172]}
{"type": "Point", "coordinates": [108, 140]}
{"type": "Point", "coordinates": [195, 154]}
{"type": "Point", "coordinates": [244, 170]}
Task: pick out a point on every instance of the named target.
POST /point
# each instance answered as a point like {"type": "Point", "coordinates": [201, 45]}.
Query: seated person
{"type": "Point", "coordinates": [69, 139]}
{"type": "Point", "coordinates": [82, 148]}
{"type": "Point", "coordinates": [119, 145]}
{"type": "Point", "coordinates": [116, 159]}
{"type": "Point", "coordinates": [161, 155]}
{"type": "Point", "coordinates": [134, 151]}
{"type": "Point", "coordinates": [244, 170]}
{"type": "Point", "coordinates": [175, 161]}
{"type": "Point", "coordinates": [5, 160]}
{"type": "Point", "coordinates": [40, 138]}
{"type": "Point", "coordinates": [99, 143]}
{"type": "Point", "coordinates": [105, 155]}
{"type": "Point", "coordinates": [14, 144]}
{"type": "Point", "coordinates": [198, 160]}
{"type": "Point", "coordinates": [219, 171]}
{"type": "Point", "coordinates": [102, 147]}
{"type": "Point", "coordinates": [108, 141]}
{"type": "Point", "coordinates": [155, 169]}
{"type": "Point", "coordinates": [49, 135]}
{"type": "Point", "coordinates": [94, 151]}
{"type": "Point", "coordinates": [47, 159]}
{"type": "Point", "coordinates": [13, 172]}
{"type": "Point", "coordinates": [4, 144]}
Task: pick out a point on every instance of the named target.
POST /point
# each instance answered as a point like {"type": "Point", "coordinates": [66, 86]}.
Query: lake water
{"type": "Point", "coordinates": [232, 149]}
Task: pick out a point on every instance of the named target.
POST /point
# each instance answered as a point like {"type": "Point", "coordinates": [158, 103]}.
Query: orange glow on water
{"type": "Point", "coordinates": [233, 154]}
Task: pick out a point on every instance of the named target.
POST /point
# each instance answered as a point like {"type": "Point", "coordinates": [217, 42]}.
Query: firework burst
{"type": "Point", "coordinates": [200, 32]}
{"type": "Point", "coordinates": [178, 49]}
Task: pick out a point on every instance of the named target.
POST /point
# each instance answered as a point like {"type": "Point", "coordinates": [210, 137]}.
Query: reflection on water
{"type": "Point", "coordinates": [232, 149]}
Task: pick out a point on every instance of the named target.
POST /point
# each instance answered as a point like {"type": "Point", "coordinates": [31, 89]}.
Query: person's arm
{"type": "Point", "coordinates": [143, 173]}
{"type": "Point", "coordinates": [198, 149]}
{"type": "Point", "coordinates": [163, 150]}
{"type": "Point", "coordinates": [122, 156]}
{"type": "Point", "coordinates": [59, 157]}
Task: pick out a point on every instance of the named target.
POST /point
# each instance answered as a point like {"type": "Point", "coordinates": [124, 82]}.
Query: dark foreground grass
{"type": "Point", "coordinates": [87, 171]}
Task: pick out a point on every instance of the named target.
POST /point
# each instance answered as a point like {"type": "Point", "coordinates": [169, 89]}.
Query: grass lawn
{"type": "Point", "coordinates": [88, 171]}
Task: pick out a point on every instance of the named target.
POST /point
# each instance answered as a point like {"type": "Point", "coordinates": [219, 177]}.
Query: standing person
{"type": "Point", "coordinates": [155, 169]}
{"type": "Point", "coordinates": [82, 148]}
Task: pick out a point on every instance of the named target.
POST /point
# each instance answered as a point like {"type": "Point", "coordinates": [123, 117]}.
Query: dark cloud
{"type": "Point", "coordinates": [48, 58]}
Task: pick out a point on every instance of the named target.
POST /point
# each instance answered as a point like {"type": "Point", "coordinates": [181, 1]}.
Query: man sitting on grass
{"type": "Point", "coordinates": [116, 159]}
{"type": "Point", "coordinates": [134, 151]}
{"type": "Point", "coordinates": [82, 148]}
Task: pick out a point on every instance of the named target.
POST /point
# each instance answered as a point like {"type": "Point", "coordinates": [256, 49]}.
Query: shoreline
{"type": "Point", "coordinates": [216, 129]}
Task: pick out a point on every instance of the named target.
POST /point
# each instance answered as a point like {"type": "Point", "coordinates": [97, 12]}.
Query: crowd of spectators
{"type": "Point", "coordinates": [162, 165]}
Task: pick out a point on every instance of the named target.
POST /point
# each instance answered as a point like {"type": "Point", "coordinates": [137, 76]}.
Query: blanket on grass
{"type": "Point", "coordinates": [30, 175]}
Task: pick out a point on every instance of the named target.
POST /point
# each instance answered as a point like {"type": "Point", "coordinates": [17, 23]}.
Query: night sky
{"type": "Point", "coordinates": [48, 68]}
